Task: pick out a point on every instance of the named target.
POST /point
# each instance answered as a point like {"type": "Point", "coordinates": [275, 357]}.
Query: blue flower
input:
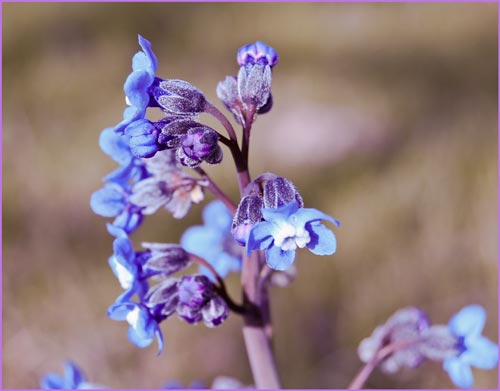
{"type": "Point", "coordinates": [143, 326]}
{"type": "Point", "coordinates": [213, 240]}
{"type": "Point", "coordinates": [143, 140]}
{"type": "Point", "coordinates": [127, 267]}
{"type": "Point", "coordinates": [144, 66]}
{"type": "Point", "coordinates": [257, 52]}
{"type": "Point", "coordinates": [73, 379]}
{"type": "Point", "coordinates": [288, 227]}
{"type": "Point", "coordinates": [474, 349]}
{"type": "Point", "coordinates": [112, 201]}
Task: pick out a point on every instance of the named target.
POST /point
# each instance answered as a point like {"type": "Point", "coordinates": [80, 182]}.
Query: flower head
{"type": "Point", "coordinates": [213, 240]}
{"type": "Point", "coordinates": [288, 227]}
{"type": "Point", "coordinates": [143, 326]}
{"type": "Point", "coordinates": [473, 349]}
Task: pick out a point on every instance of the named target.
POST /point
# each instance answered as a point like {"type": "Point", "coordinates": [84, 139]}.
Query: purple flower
{"type": "Point", "coordinates": [143, 326]}
{"type": "Point", "coordinates": [213, 241]}
{"type": "Point", "coordinates": [288, 227]}
{"type": "Point", "coordinates": [473, 349]}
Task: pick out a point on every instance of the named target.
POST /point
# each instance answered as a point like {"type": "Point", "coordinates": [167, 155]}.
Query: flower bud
{"type": "Point", "coordinates": [143, 138]}
{"type": "Point", "coordinates": [227, 91]}
{"type": "Point", "coordinates": [254, 85]}
{"type": "Point", "coordinates": [166, 258]}
{"type": "Point", "coordinates": [178, 97]}
{"type": "Point", "coordinates": [280, 191]}
{"type": "Point", "coordinates": [257, 52]}
{"type": "Point", "coordinates": [215, 312]}
{"type": "Point", "coordinates": [199, 144]}
{"type": "Point", "coordinates": [162, 299]}
{"type": "Point", "coordinates": [248, 214]}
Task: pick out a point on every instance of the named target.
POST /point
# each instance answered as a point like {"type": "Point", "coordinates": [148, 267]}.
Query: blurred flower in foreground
{"type": "Point", "coordinates": [213, 240]}
{"type": "Point", "coordinates": [473, 349]}
{"type": "Point", "coordinates": [73, 379]}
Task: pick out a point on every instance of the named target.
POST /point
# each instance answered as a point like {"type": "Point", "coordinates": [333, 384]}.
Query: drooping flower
{"type": "Point", "coordinates": [143, 325]}
{"type": "Point", "coordinates": [126, 264]}
{"type": "Point", "coordinates": [473, 349]}
{"type": "Point", "coordinates": [288, 227]}
{"type": "Point", "coordinates": [73, 379]}
{"type": "Point", "coordinates": [213, 240]}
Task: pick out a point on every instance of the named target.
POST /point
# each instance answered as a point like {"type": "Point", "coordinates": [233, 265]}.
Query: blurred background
{"type": "Point", "coordinates": [385, 117]}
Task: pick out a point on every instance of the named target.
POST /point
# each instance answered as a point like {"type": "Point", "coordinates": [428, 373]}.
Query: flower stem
{"type": "Point", "coordinates": [237, 308]}
{"type": "Point", "coordinates": [211, 109]}
{"type": "Point", "coordinates": [365, 372]}
{"type": "Point", "coordinates": [216, 190]}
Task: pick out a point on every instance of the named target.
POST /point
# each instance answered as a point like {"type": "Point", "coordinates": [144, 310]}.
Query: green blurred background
{"type": "Point", "coordinates": [385, 117]}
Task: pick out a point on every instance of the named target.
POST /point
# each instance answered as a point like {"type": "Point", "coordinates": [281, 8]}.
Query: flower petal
{"type": "Point", "coordinates": [201, 241]}
{"type": "Point", "coordinates": [108, 201]}
{"type": "Point", "coordinates": [481, 353]}
{"type": "Point", "coordinates": [278, 259]}
{"type": "Point", "coordinates": [307, 215]}
{"type": "Point", "coordinates": [152, 60]}
{"type": "Point", "coordinates": [53, 381]}
{"type": "Point", "coordinates": [468, 321]}
{"type": "Point", "coordinates": [323, 241]}
{"type": "Point", "coordinates": [260, 236]}
{"type": "Point", "coordinates": [460, 373]}
{"type": "Point", "coordinates": [115, 145]}
{"type": "Point", "coordinates": [136, 88]}
{"type": "Point", "coordinates": [139, 338]}
{"type": "Point", "coordinates": [280, 214]}
{"type": "Point", "coordinates": [73, 374]}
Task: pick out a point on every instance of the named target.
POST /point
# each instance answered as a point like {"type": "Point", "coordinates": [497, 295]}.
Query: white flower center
{"type": "Point", "coordinates": [289, 237]}
{"type": "Point", "coordinates": [125, 277]}
{"type": "Point", "coordinates": [133, 317]}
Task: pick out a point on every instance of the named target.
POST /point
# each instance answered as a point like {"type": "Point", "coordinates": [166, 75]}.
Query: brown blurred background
{"type": "Point", "coordinates": [385, 117]}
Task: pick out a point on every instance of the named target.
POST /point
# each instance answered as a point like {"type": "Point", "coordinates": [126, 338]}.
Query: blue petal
{"type": "Point", "coordinates": [128, 221]}
{"type": "Point", "coordinates": [481, 353]}
{"type": "Point", "coordinates": [146, 46]}
{"type": "Point", "coordinates": [124, 247]}
{"type": "Point", "coordinates": [278, 259]}
{"type": "Point", "coordinates": [323, 241]}
{"type": "Point", "coordinates": [307, 215]}
{"type": "Point", "coordinates": [159, 338]}
{"type": "Point", "coordinates": [138, 338]}
{"type": "Point", "coordinates": [280, 214]}
{"type": "Point", "coordinates": [217, 216]}
{"type": "Point", "coordinates": [260, 237]}
{"type": "Point", "coordinates": [130, 114]}
{"type": "Point", "coordinates": [115, 145]}
{"type": "Point", "coordinates": [116, 231]}
{"type": "Point", "coordinates": [108, 201]}
{"type": "Point", "coordinates": [201, 241]}
{"type": "Point", "coordinates": [119, 311]}
{"type": "Point", "coordinates": [53, 381]}
{"type": "Point", "coordinates": [460, 373]}
{"type": "Point", "coordinates": [136, 88]}
{"type": "Point", "coordinates": [468, 321]}
{"type": "Point", "coordinates": [73, 374]}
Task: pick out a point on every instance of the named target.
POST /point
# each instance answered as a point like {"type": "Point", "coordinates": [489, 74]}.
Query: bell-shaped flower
{"type": "Point", "coordinates": [213, 240]}
{"type": "Point", "coordinates": [287, 228]}
{"type": "Point", "coordinates": [473, 349]}
{"type": "Point", "coordinates": [143, 138]}
{"type": "Point", "coordinates": [143, 326]}
{"type": "Point", "coordinates": [257, 52]}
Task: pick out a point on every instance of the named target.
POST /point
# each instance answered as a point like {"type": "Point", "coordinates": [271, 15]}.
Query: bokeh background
{"type": "Point", "coordinates": [385, 117]}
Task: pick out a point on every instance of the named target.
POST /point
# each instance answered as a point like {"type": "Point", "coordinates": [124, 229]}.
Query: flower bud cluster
{"type": "Point", "coordinates": [249, 93]}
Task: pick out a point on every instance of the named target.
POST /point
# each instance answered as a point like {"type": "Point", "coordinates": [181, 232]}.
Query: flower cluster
{"type": "Point", "coordinates": [407, 338]}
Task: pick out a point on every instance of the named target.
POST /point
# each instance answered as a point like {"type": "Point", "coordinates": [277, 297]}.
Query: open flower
{"type": "Point", "coordinates": [474, 349]}
{"type": "Point", "coordinates": [288, 227]}
{"type": "Point", "coordinates": [213, 240]}
{"type": "Point", "coordinates": [143, 326]}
